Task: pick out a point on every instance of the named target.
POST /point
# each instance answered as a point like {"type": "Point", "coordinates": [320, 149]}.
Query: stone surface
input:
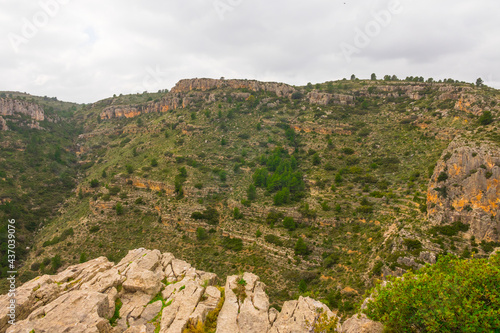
{"type": "Point", "coordinates": [472, 189]}
{"type": "Point", "coordinates": [299, 316]}
{"type": "Point", "coordinates": [11, 107]}
{"type": "Point", "coordinates": [77, 311]}
{"type": "Point", "coordinates": [84, 297]}
{"type": "Point", "coordinates": [361, 324]}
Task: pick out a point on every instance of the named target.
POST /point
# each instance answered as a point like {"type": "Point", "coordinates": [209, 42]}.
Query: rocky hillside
{"type": "Point", "coordinates": [148, 291]}
{"type": "Point", "coordinates": [320, 190]}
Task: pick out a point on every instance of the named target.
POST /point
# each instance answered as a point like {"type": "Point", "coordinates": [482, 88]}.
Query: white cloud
{"type": "Point", "coordinates": [90, 50]}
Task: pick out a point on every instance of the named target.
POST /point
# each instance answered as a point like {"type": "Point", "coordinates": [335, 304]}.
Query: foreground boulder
{"type": "Point", "coordinates": [148, 291]}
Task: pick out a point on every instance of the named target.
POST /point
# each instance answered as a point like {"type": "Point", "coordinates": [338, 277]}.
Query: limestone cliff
{"type": "Point", "coordinates": [465, 187]}
{"type": "Point", "coordinates": [189, 91]}
{"type": "Point", "coordinates": [3, 124]}
{"type": "Point", "coordinates": [187, 85]}
{"type": "Point", "coordinates": [148, 291]}
{"type": "Point", "coordinates": [11, 107]}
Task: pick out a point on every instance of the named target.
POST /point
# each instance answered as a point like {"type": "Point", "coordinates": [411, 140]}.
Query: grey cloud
{"type": "Point", "coordinates": [90, 50]}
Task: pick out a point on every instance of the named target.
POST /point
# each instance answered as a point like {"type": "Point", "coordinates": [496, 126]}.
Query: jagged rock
{"type": "Point", "coordinates": [142, 280]}
{"type": "Point", "coordinates": [83, 297]}
{"type": "Point", "coordinates": [187, 85]}
{"type": "Point", "coordinates": [151, 310]}
{"type": "Point", "coordinates": [43, 290]}
{"type": "Point", "coordinates": [361, 324]}
{"type": "Point", "coordinates": [410, 262]}
{"type": "Point", "coordinates": [9, 107]}
{"type": "Point", "coordinates": [299, 316]}
{"type": "Point", "coordinates": [465, 187]}
{"type": "Point", "coordinates": [3, 125]}
{"type": "Point", "coordinates": [321, 98]}
{"type": "Point", "coordinates": [175, 316]}
{"type": "Point", "coordinates": [77, 311]}
{"type": "Point", "coordinates": [428, 257]}
{"type": "Point", "coordinates": [213, 296]}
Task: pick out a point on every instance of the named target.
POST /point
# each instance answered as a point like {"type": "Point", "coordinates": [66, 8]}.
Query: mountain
{"type": "Point", "coordinates": [320, 190]}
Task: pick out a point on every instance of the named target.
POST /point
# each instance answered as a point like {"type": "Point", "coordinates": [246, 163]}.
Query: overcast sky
{"type": "Point", "coordinates": [87, 50]}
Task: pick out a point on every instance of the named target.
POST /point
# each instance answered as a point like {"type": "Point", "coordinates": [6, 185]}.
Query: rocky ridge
{"type": "Point", "coordinates": [465, 187]}
{"type": "Point", "coordinates": [11, 107]}
{"type": "Point", "coordinates": [188, 91]}
{"type": "Point", "coordinates": [148, 291]}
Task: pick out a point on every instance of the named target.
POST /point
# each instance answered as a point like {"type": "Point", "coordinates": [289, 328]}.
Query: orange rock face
{"type": "Point", "coordinates": [471, 191]}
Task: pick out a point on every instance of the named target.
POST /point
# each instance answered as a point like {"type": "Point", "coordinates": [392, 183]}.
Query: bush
{"type": "Point", "coordinates": [210, 214]}
{"type": "Point", "coordinates": [412, 244]}
{"type": "Point", "coordinates": [94, 228]}
{"type": "Point", "coordinates": [331, 259]}
{"type": "Point", "coordinates": [237, 214]}
{"type": "Point", "coordinates": [201, 234]}
{"type": "Point", "coordinates": [235, 244]}
{"type": "Point", "coordinates": [273, 239]}
{"type": "Point", "coordinates": [450, 230]}
{"type": "Point", "coordinates": [316, 160]}
{"type": "Point", "coordinates": [94, 183]}
{"type": "Point", "coordinates": [129, 168]}
{"type": "Point", "coordinates": [347, 151]}
{"type": "Point", "coordinates": [454, 295]}
{"type": "Point", "coordinates": [282, 197]}
{"type": "Point", "coordinates": [442, 177]}
{"type": "Point", "coordinates": [251, 192]}
{"type": "Point", "coordinates": [56, 262]}
{"type": "Point", "coordinates": [486, 118]}
{"type": "Point", "coordinates": [119, 209]}
{"type": "Point", "coordinates": [301, 247]}
{"type": "Point", "coordinates": [289, 223]}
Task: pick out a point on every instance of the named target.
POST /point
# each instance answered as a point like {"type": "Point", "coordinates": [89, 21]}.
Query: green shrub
{"type": "Point", "coordinates": [119, 209]}
{"type": "Point", "coordinates": [94, 228]}
{"type": "Point", "coordinates": [235, 244]}
{"type": "Point", "coordinates": [412, 244]}
{"type": "Point", "coordinates": [453, 295]}
{"type": "Point", "coordinates": [237, 214]}
{"type": "Point", "coordinates": [450, 230]}
{"type": "Point", "coordinates": [94, 183]}
{"type": "Point", "coordinates": [486, 118]}
{"type": "Point", "coordinates": [442, 177]}
{"type": "Point", "coordinates": [129, 168]}
{"type": "Point", "coordinates": [289, 223]}
{"type": "Point", "coordinates": [210, 214]}
{"type": "Point", "coordinates": [201, 234]}
{"type": "Point", "coordinates": [273, 239]}
{"type": "Point", "coordinates": [301, 247]}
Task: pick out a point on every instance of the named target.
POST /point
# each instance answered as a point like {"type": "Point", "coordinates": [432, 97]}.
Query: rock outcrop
{"type": "Point", "coordinates": [465, 187]}
{"type": "Point", "coordinates": [322, 98]}
{"type": "Point", "coordinates": [188, 91]}
{"type": "Point", "coordinates": [3, 125]}
{"type": "Point", "coordinates": [11, 107]}
{"type": "Point", "coordinates": [148, 291]}
{"type": "Point", "coordinates": [187, 85]}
